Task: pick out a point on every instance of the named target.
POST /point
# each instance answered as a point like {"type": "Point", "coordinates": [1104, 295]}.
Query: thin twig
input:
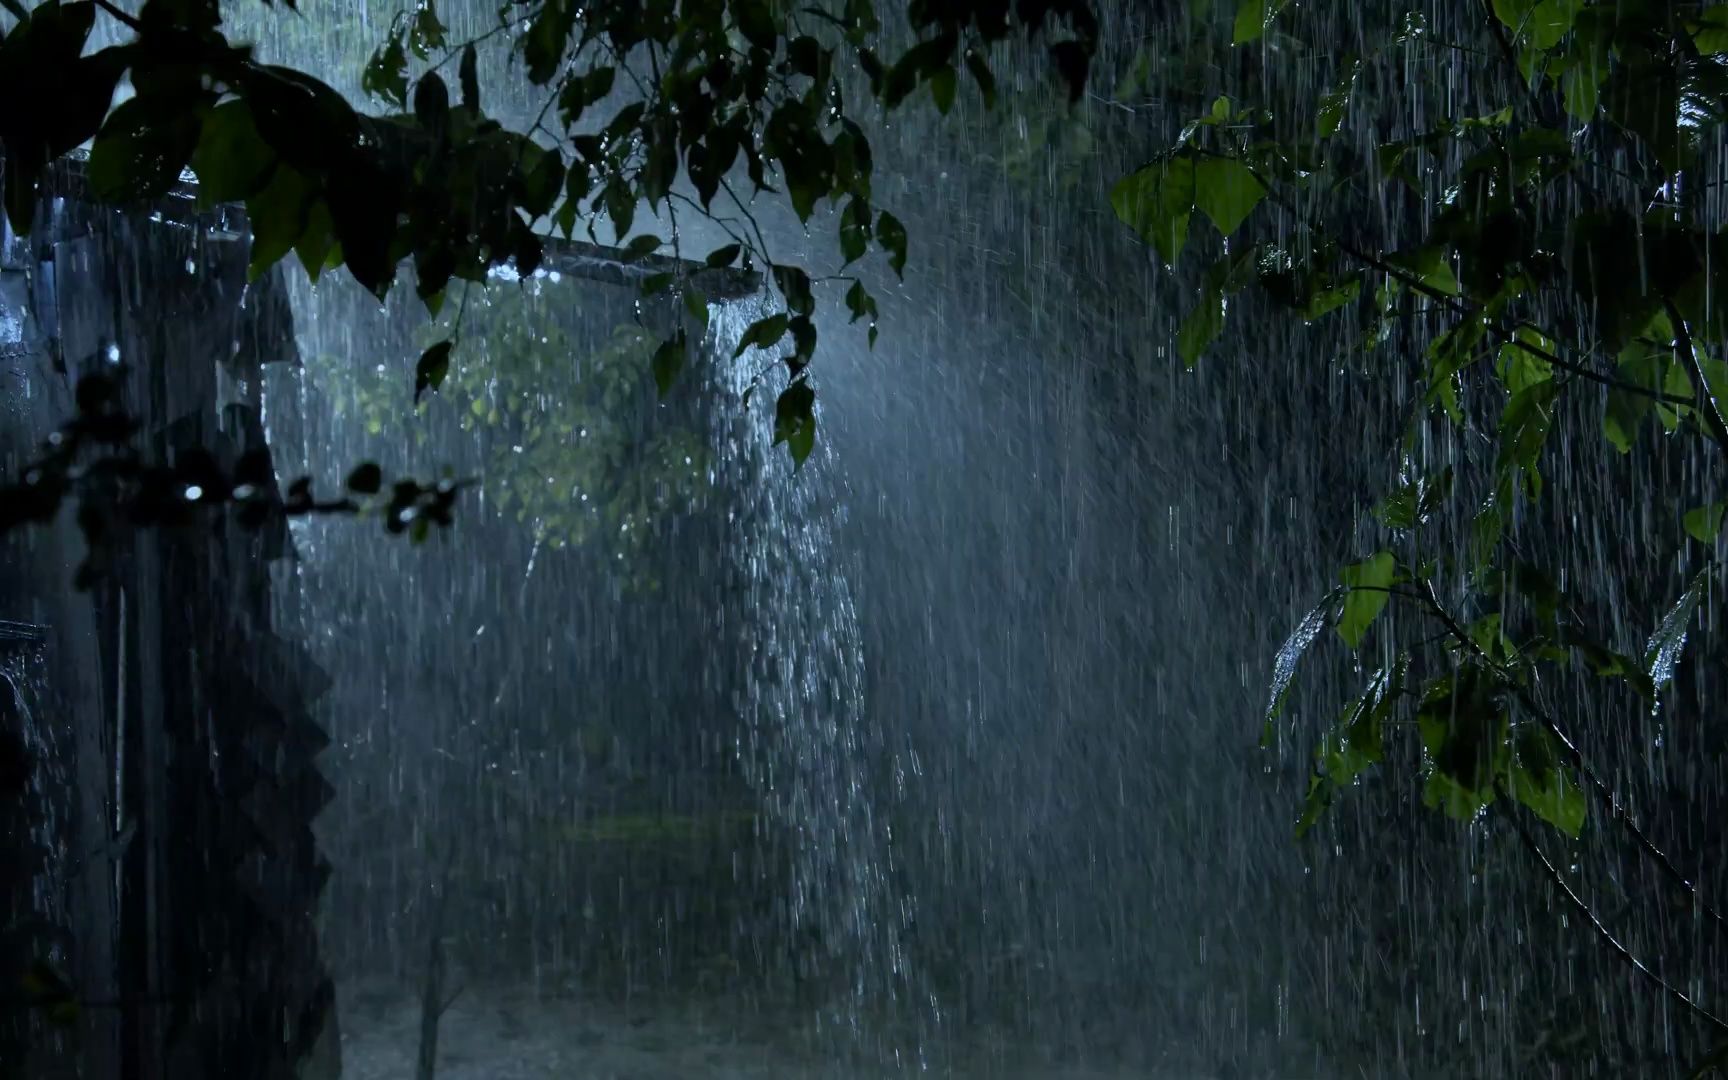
{"type": "Point", "coordinates": [1706, 401]}
{"type": "Point", "coordinates": [128, 20]}
{"type": "Point", "coordinates": [1616, 809]}
{"type": "Point", "coordinates": [1603, 932]}
{"type": "Point", "coordinates": [1506, 337]}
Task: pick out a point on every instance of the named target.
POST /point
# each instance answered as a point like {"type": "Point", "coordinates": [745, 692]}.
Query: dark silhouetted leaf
{"type": "Point", "coordinates": [366, 479]}
{"type": "Point", "coordinates": [430, 372]}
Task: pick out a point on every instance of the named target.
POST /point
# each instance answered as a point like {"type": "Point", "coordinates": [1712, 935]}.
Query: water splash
{"type": "Point", "coordinates": [804, 743]}
{"type": "Point", "coordinates": [1663, 651]}
{"type": "Point", "coordinates": [1289, 653]}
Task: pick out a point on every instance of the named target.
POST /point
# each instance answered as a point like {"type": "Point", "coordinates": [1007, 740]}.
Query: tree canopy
{"type": "Point", "coordinates": [1556, 250]}
{"type": "Point", "coordinates": [654, 103]}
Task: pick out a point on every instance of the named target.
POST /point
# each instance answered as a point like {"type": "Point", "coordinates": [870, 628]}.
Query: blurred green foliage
{"type": "Point", "coordinates": [570, 442]}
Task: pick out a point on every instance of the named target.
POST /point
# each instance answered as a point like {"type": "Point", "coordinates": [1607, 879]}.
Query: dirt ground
{"type": "Point", "coordinates": [506, 1034]}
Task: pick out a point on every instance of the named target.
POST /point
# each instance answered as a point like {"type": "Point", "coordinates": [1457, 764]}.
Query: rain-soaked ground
{"type": "Point", "coordinates": [512, 1033]}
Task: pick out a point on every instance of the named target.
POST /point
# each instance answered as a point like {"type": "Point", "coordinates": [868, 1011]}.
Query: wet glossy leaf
{"type": "Point", "coordinates": [891, 236]}
{"type": "Point", "coordinates": [1200, 327]}
{"type": "Point", "coordinates": [1537, 778]}
{"type": "Point", "coordinates": [1157, 202]}
{"type": "Point", "coordinates": [1367, 584]}
{"type": "Point", "coordinates": [795, 420]}
{"type": "Point", "coordinates": [386, 74]}
{"type": "Point", "coordinates": [669, 361]}
{"type": "Point", "coordinates": [232, 161]}
{"type": "Point", "coordinates": [982, 76]}
{"type": "Point", "coordinates": [1253, 17]}
{"type": "Point", "coordinates": [1226, 191]}
{"type": "Point", "coordinates": [1705, 522]}
{"type": "Point", "coordinates": [762, 333]}
{"type": "Point", "coordinates": [794, 285]}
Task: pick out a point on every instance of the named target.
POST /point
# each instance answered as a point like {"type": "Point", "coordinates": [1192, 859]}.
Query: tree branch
{"type": "Point", "coordinates": [1616, 808]}
{"type": "Point", "coordinates": [1705, 402]}
{"type": "Point", "coordinates": [1603, 932]}
{"type": "Point", "coordinates": [120, 16]}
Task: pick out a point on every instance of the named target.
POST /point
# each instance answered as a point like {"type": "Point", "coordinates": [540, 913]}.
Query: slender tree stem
{"type": "Point", "coordinates": [1616, 808]}
{"type": "Point", "coordinates": [1705, 401]}
{"type": "Point", "coordinates": [120, 16]}
{"type": "Point", "coordinates": [1604, 933]}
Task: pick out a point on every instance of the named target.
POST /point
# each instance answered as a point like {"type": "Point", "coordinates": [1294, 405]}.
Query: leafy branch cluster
{"type": "Point", "coordinates": [656, 102]}
{"type": "Point", "coordinates": [1561, 244]}
{"type": "Point", "coordinates": [640, 95]}
{"type": "Point", "coordinates": [568, 441]}
{"type": "Point", "coordinates": [92, 458]}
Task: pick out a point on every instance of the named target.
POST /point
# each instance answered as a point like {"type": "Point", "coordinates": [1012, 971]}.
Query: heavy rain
{"type": "Point", "coordinates": [1232, 593]}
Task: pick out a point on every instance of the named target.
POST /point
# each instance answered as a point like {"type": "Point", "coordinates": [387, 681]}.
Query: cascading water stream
{"type": "Point", "coordinates": [804, 742]}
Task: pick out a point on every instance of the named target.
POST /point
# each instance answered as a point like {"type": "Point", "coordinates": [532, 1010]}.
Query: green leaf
{"type": "Point", "coordinates": [426, 33]}
{"type": "Point", "coordinates": [366, 479]}
{"type": "Point", "coordinates": [803, 342]}
{"type": "Point", "coordinates": [469, 79]}
{"type": "Point", "coordinates": [434, 365]}
{"type": "Point", "coordinates": [755, 20]}
{"type": "Point", "coordinates": [1315, 804]}
{"type": "Point", "coordinates": [1524, 429]}
{"type": "Point", "coordinates": [794, 284]}
{"type": "Point", "coordinates": [1464, 733]}
{"type": "Point", "coordinates": [762, 334]}
{"type": "Point", "coordinates": [1431, 268]}
{"type": "Point", "coordinates": [280, 214]}
{"type": "Point", "coordinates": [1367, 584]}
{"type": "Point", "coordinates": [891, 236]}
{"type": "Point", "coordinates": [854, 230]}
{"type": "Point", "coordinates": [1201, 327]}
{"type": "Point", "coordinates": [1608, 664]}
{"type": "Point", "coordinates": [141, 149]}
{"type": "Point", "coordinates": [1537, 779]}
{"type": "Point", "coordinates": [642, 246]}
{"type": "Point", "coordinates": [668, 362]}
{"type": "Point", "coordinates": [232, 161]}
{"type": "Point", "coordinates": [1543, 23]}
{"type": "Point", "coordinates": [1710, 34]}
{"type": "Point", "coordinates": [1662, 653]}
{"type": "Point", "coordinates": [795, 420]}
{"type": "Point", "coordinates": [1157, 201]}
{"type": "Point", "coordinates": [1705, 522]}
{"type": "Point", "coordinates": [982, 76]}
{"type": "Point", "coordinates": [620, 207]}
{"type": "Point", "coordinates": [432, 104]}
{"type": "Point", "coordinates": [942, 85]}
{"type": "Point", "coordinates": [1326, 300]}
{"type": "Point", "coordinates": [1518, 366]}
{"type": "Point", "coordinates": [860, 302]}
{"type": "Point", "coordinates": [1253, 18]}
{"type": "Point", "coordinates": [1335, 101]}
{"type": "Point", "coordinates": [542, 181]}
{"type": "Point", "coordinates": [1415, 499]}
{"type": "Point", "coordinates": [386, 74]}
{"type": "Point", "coordinates": [1226, 191]}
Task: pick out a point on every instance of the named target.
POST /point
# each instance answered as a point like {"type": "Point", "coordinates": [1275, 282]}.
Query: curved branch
{"type": "Point", "coordinates": [1616, 809]}
{"type": "Point", "coordinates": [1704, 402]}
{"type": "Point", "coordinates": [1603, 932]}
